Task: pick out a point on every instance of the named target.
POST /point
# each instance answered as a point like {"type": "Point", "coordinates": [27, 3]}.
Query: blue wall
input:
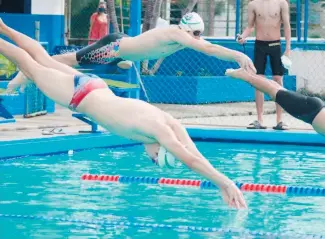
{"type": "Point", "coordinates": [202, 90]}
{"type": "Point", "coordinates": [51, 31]}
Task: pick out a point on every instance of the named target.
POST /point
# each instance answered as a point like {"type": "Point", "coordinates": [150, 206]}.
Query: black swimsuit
{"type": "Point", "coordinates": [302, 107]}
{"type": "Point", "coordinates": [102, 52]}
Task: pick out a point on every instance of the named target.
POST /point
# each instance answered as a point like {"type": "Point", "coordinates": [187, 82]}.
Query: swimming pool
{"type": "Point", "coordinates": [50, 186]}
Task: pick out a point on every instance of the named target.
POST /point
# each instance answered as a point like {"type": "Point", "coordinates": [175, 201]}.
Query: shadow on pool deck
{"type": "Point", "coordinates": [231, 115]}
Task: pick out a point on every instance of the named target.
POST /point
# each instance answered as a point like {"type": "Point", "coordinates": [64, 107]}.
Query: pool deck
{"type": "Point", "coordinates": [232, 115]}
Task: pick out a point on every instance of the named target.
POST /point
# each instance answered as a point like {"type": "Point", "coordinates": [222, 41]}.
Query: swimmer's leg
{"type": "Point", "coordinates": [91, 54]}
{"type": "Point", "coordinates": [99, 52]}
{"type": "Point", "coordinates": [69, 58]}
{"type": "Point", "coordinates": [289, 100]}
{"type": "Point", "coordinates": [319, 122]}
{"type": "Point", "coordinates": [35, 49]}
{"type": "Point", "coordinates": [262, 84]}
{"type": "Point", "coordinates": [56, 85]}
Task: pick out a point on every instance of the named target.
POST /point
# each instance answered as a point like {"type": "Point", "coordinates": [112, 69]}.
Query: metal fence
{"type": "Point", "coordinates": [222, 17]}
{"type": "Point", "coordinates": [192, 86]}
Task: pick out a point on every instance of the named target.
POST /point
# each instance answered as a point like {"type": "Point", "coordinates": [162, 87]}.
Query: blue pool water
{"type": "Point", "coordinates": [51, 186]}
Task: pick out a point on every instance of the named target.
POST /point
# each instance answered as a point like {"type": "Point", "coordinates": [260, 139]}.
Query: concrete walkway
{"type": "Point", "coordinates": [230, 115]}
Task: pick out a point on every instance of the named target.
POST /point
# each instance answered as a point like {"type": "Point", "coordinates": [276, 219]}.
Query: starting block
{"type": "Point", "coordinates": [84, 118]}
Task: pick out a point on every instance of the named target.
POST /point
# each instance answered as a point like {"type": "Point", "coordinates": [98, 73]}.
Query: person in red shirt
{"type": "Point", "coordinates": [98, 24]}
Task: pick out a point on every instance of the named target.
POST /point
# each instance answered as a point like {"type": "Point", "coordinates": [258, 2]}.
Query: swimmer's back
{"type": "Point", "coordinates": [152, 44]}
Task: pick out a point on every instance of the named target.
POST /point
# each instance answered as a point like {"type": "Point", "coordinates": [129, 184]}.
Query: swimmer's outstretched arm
{"type": "Point", "coordinates": [230, 192]}
{"type": "Point", "coordinates": [210, 49]}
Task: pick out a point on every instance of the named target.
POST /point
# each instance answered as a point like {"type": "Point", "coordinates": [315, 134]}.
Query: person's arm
{"type": "Point", "coordinates": [230, 192]}
{"type": "Point", "coordinates": [166, 137]}
{"type": "Point", "coordinates": [251, 21]}
{"type": "Point", "coordinates": [286, 25]}
{"type": "Point", "coordinates": [203, 46]}
{"type": "Point", "coordinates": [223, 53]}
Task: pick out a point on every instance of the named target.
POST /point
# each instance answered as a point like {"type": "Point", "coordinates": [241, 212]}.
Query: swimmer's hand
{"type": "Point", "coordinates": [246, 63]}
{"type": "Point", "coordinates": [233, 196]}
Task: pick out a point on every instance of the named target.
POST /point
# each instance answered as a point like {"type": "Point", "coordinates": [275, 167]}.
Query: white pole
{"type": "Point", "coordinates": [37, 30]}
{"type": "Point", "coordinates": [121, 16]}
{"type": "Point", "coordinates": [69, 20]}
{"type": "Point", "coordinates": [167, 11]}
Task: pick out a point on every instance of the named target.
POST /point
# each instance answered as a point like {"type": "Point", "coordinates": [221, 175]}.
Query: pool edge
{"type": "Point", "coordinates": [61, 144]}
{"type": "Point", "coordinates": [309, 138]}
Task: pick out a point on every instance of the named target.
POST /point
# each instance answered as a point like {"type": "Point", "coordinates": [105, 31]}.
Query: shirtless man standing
{"type": "Point", "coordinates": [267, 17]}
{"type": "Point", "coordinates": [153, 44]}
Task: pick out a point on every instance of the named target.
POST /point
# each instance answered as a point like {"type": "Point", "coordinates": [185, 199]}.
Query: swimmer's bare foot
{"type": "Point", "coordinates": [238, 74]}
{"type": "Point", "coordinates": [20, 80]}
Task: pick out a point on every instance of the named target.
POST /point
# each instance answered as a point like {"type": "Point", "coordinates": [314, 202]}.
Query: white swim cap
{"type": "Point", "coordinates": [192, 22]}
{"type": "Point", "coordinates": [165, 158]}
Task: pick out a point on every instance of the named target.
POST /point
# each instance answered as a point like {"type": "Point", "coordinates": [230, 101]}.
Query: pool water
{"type": "Point", "coordinates": [51, 186]}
